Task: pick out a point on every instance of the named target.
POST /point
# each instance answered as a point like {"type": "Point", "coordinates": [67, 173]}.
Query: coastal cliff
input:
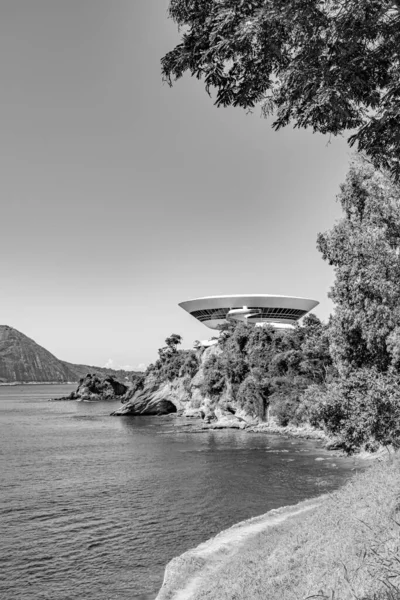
{"type": "Point", "coordinates": [185, 396]}
{"type": "Point", "coordinates": [248, 377]}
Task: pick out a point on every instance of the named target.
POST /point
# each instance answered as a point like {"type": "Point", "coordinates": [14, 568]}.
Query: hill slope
{"type": "Point", "coordinates": [22, 360]}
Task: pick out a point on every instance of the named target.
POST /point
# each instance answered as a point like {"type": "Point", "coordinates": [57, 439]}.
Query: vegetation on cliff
{"type": "Point", "coordinates": [343, 376]}
{"type": "Point", "coordinates": [173, 363]}
{"type": "Point", "coordinates": [267, 368]}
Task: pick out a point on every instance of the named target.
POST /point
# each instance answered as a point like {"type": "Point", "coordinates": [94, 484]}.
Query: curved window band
{"type": "Point", "coordinates": [262, 313]}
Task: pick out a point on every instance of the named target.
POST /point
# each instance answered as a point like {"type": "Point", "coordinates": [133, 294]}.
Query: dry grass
{"type": "Point", "coordinates": [347, 549]}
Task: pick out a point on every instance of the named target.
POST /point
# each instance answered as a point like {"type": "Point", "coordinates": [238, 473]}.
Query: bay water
{"type": "Point", "coordinates": [92, 507]}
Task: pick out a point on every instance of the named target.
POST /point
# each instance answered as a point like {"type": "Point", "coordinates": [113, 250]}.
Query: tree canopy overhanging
{"type": "Point", "coordinates": [331, 65]}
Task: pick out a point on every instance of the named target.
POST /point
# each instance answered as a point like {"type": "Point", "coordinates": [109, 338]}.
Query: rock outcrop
{"type": "Point", "coordinates": [184, 396]}
{"type": "Point", "coordinates": [23, 361]}
{"type": "Point", "coordinates": [93, 388]}
{"type": "Point", "coordinates": [155, 398]}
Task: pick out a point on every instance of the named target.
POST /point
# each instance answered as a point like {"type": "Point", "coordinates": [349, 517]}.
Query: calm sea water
{"type": "Point", "coordinates": [92, 507]}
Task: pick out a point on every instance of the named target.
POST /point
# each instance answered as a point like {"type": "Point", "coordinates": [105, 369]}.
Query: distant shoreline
{"type": "Point", "coordinates": [14, 383]}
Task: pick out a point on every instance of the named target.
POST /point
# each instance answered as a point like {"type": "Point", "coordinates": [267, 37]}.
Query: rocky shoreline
{"type": "Point", "coordinates": [305, 432]}
{"type": "Point", "coordinates": [183, 397]}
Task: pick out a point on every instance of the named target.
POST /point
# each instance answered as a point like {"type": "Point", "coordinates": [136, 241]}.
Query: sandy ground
{"type": "Point", "coordinates": [185, 574]}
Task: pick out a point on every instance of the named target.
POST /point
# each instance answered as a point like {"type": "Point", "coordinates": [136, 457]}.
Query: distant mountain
{"type": "Point", "coordinates": [23, 361]}
{"type": "Point", "coordinates": [83, 370]}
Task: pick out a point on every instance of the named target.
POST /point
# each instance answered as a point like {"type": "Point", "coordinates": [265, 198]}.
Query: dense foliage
{"type": "Point", "coordinates": [173, 363]}
{"type": "Point", "coordinates": [263, 368]}
{"type": "Point", "coordinates": [364, 248]}
{"type": "Point", "coordinates": [332, 65]}
{"type": "Point", "coordinates": [362, 409]}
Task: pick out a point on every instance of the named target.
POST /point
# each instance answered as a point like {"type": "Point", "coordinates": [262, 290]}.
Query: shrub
{"type": "Point", "coordinates": [236, 368]}
{"type": "Point", "coordinates": [175, 364]}
{"type": "Point", "coordinates": [285, 411]}
{"type": "Point", "coordinates": [363, 408]}
{"type": "Point", "coordinates": [309, 408]}
{"type": "Point", "coordinates": [190, 364]}
{"type": "Point", "coordinates": [214, 382]}
{"type": "Point", "coordinates": [252, 395]}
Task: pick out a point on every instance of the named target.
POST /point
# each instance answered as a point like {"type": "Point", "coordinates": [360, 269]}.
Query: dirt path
{"type": "Point", "coordinates": [185, 575]}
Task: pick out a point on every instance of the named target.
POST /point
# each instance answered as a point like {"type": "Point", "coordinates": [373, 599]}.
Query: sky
{"type": "Point", "coordinates": [121, 197]}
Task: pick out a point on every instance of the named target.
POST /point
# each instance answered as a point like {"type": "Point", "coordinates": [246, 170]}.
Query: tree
{"type": "Point", "coordinates": [172, 342]}
{"type": "Point", "coordinates": [362, 405]}
{"type": "Point", "coordinates": [173, 363]}
{"type": "Point", "coordinates": [361, 409]}
{"type": "Point", "coordinates": [332, 65]}
{"type": "Point", "coordinates": [364, 248]}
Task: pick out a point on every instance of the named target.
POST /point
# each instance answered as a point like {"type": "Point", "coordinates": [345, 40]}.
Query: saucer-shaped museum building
{"type": "Point", "coordinates": [254, 309]}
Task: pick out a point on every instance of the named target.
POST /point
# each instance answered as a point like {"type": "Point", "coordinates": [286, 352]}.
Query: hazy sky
{"type": "Point", "coordinates": [121, 197]}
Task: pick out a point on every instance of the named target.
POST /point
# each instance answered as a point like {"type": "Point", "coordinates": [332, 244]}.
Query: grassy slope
{"type": "Point", "coordinates": [348, 548]}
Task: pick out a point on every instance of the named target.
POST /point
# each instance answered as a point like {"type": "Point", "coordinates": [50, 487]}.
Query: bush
{"type": "Point", "coordinates": [236, 368]}
{"type": "Point", "coordinates": [171, 365]}
{"type": "Point", "coordinates": [308, 410]}
{"type": "Point", "coordinates": [252, 396]}
{"type": "Point", "coordinates": [363, 408]}
{"type": "Point", "coordinates": [285, 411]}
{"type": "Point", "coordinates": [214, 382]}
{"type": "Point", "coordinates": [190, 364]}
